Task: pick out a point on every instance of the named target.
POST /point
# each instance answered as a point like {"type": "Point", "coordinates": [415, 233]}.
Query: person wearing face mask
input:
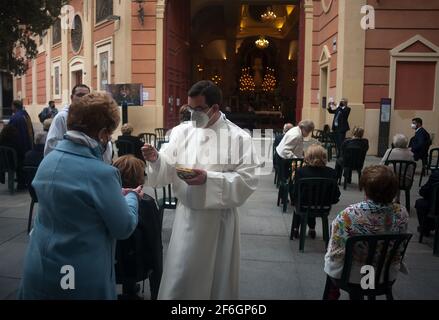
{"type": "Point", "coordinates": [82, 210]}
{"type": "Point", "coordinates": [59, 125]}
{"type": "Point", "coordinates": [420, 142]}
{"type": "Point", "coordinates": [340, 124]}
{"type": "Point", "coordinates": [203, 255]}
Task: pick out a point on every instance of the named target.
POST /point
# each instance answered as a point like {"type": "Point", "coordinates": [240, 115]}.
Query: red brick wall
{"type": "Point", "coordinates": [28, 99]}
{"type": "Point", "coordinates": [396, 22]}
{"type": "Point", "coordinates": [41, 78]}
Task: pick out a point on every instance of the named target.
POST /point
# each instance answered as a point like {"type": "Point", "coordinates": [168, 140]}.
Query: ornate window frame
{"type": "Point", "coordinates": [397, 54]}
{"type": "Point", "coordinates": [82, 36]}
{"type": "Point", "coordinates": [326, 5]}
{"type": "Point", "coordinates": [105, 45]}
{"type": "Point", "coordinates": [56, 63]}
{"type": "Point", "coordinates": [104, 20]}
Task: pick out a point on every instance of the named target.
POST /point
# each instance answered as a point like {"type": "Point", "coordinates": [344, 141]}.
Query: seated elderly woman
{"type": "Point", "coordinates": [127, 130]}
{"type": "Point", "coordinates": [357, 141]}
{"type": "Point", "coordinates": [316, 159]}
{"type": "Point", "coordinates": [82, 210]}
{"type": "Point", "coordinates": [377, 214]}
{"type": "Point", "coordinates": [399, 151]}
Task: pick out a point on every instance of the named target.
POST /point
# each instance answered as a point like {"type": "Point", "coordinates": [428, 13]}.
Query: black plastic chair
{"type": "Point", "coordinates": [9, 166]}
{"type": "Point", "coordinates": [125, 147]}
{"type": "Point", "coordinates": [433, 214]}
{"type": "Point", "coordinates": [405, 172]}
{"type": "Point", "coordinates": [141, 255]}
{"type": "Point", "coordinates": [432, 164]}
{"type": "Point", "coordinates": [167, 201]}
{"type": "Point", "coordinates": [314, 200]}
{"type": "Point", "coordinates": [149, 138]}
{"type": "Point", "coordinates": [161, 136]}
{"type": "Point", "coordinates": [317, 134]}
{"type": "Point", "coordinates": [353, 160]}
{"type": "Point", "coordinates": [328, 142]}
{"type": "Point", "coordinates": [286, 179]}
{"type": "Point", "coordinates": [29, 175]}
{"type": "Point", "coordinates": [383, 250]}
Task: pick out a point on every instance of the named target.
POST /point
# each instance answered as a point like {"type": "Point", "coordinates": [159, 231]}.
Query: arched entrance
{"type": "Point", "coordinates": [216, 40]}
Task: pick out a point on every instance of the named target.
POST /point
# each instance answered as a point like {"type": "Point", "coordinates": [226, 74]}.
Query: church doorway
{"type": "Point", "coordinates": [248, 48]}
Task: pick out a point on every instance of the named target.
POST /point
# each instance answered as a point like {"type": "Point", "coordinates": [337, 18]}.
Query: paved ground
{"type": "Point", "coordinates": [271, 265]}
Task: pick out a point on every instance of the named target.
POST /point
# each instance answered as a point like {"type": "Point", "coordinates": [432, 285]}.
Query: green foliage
{"type": "Point", "coordinates": [20, 22]}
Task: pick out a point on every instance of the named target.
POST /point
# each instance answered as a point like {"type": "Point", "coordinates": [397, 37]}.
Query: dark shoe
{"type": "Point", "coordinates": [296, 233]}
{"type": "Point", "coordinates": [312, 233]}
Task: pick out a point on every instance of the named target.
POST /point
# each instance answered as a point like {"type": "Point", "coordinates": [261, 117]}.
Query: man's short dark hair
{"type": "Point", "coordinates": [17, 104]}
{"type": "Point", "coordinates": [51, 102]}
{"type": "Point", "coordinates": [417, 120]}
{"type": "Point", "coordinates": [207, 89]}
{"type": "Point", "coordinates": [79, 86]}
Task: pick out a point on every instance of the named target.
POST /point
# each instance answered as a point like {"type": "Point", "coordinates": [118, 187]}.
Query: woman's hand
{"type": "Point", "coordinates": [138, 191]}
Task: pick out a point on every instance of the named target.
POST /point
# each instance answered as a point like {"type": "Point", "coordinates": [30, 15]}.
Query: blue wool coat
{"type": "Point", "coordinates": [80, 215]}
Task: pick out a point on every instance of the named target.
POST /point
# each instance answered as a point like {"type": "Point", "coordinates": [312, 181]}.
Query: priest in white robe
{"type": "Point", "coordinates": [204, 251]}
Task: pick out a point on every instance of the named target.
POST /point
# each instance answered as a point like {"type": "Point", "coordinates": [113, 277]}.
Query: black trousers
{"type": "Point", "coordinates": [339, 138]}
{"type": "Point", "coordinates": [422, 207]}
{"type": "Point", "coordinates": [339, 167]}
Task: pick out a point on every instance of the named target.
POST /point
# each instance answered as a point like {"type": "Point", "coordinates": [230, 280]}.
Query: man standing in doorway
{"type": "Point", "coordinates": [340, 124]}
{"type": "Point", "coordinates": [203, 255]}
{"type": "Point", "coordinates": [58, 128]}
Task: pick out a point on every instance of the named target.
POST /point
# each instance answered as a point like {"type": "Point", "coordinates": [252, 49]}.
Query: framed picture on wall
{"type": "Point", "coordinates": [131, 93]}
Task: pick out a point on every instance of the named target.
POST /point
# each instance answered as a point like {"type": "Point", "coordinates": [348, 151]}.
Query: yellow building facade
{"type": "Point", "coordinates": [154, 43]}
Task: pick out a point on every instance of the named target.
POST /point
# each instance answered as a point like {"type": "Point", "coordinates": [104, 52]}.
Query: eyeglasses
{"type": "Point", "coordinates": [198, 108]}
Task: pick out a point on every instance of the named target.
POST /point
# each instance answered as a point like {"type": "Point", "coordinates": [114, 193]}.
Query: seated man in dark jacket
{"type": "Point", "coordinates": [356, 141]}
{"type": "Point", "coordinates": [316, 159]}
{"type": "Point", "coordinates": [421, 141]}
{"type": "Point", "coordinates": [127, 130]}
{"type": "Point", "coordinates": [34, 157]}
{"type": "Point", "coordinates": [423, 205]}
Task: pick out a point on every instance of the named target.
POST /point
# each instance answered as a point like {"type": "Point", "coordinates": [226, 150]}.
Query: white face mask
{"type": "Point", "coordinates": [413, 126]}
{"type": "Point", "coordinates": [199, 119]}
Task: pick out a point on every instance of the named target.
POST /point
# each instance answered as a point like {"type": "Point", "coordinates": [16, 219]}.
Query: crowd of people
{"type": "Point", "coordinates": [87, 202]}
{"type": "Point", "coordinates": [381, 210]}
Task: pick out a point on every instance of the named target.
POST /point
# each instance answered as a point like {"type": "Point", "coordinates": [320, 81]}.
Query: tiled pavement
{"type": "Point", "coordinates": [271, 265]}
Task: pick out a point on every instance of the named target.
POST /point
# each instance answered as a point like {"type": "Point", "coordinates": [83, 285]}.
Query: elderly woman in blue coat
{"type": "Point", "coordinates": [82, 211]}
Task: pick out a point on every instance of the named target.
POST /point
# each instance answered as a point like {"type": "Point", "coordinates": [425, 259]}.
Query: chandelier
{"type": "Point", "coordinates": [268, 16]}
{"type": "Point", "coordinates": [262, 43]}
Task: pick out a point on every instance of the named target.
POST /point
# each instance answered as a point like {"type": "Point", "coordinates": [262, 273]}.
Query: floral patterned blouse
{"type": "Point", "coordinates": [366, 217]}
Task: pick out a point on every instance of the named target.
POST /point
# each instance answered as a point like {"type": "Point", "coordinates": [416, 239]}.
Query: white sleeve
{"type": "Point", "coordinates": [56, 133]}
{"type": "Point", "coordinates": [162, 172]}
{"type": "Point", "coordinates": [292, 147]}
{"type": "Point", "coordinates": [108, 154]}
{"type": "Point", "coordinates": [227, 190]}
